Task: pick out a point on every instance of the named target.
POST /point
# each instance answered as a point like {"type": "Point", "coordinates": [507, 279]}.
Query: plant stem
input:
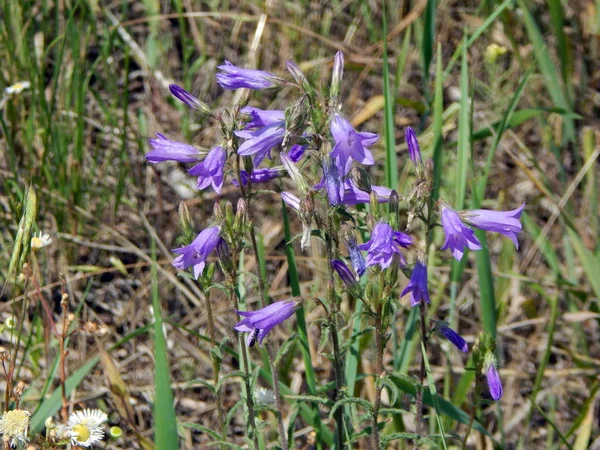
{"type": "Point", "coordinates": [333, 317]}
{"type": "Point", "coordinates": [423, 312]}
{"type": "Point", "coordinates": [378, 361]}
{"type": "Point", "coordinates": [215, 364]}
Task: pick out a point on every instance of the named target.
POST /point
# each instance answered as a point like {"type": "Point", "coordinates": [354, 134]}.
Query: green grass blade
{"type": "Point", "coordinates": [165, 421]}
{"type": "Point", "coordinates": [464, 135]}
{"type": "Point", "coordinates": [323, 437]}
{"type": "Point", "coordinates": [548, 69]}
{"type": "Point", "coordinates": [427, 43]}
{"type": "Point", "coordinates": [434, 396]}
{"type": "Point", "coordinates": [589, 261]}
{"type": "Point", "coordinates": [391, 160]}
{"type": "Point", "coordinates": [438, 109]}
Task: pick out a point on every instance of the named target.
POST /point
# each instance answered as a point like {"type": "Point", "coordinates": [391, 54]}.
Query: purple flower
{"type": "Point", "coordinates": [188, 99]}
{"type": "Point", "coordinates": [210, 171]}
{"type": "Point", "coordinates": [344, 272]}
{"type": "Point", "coordinates": [333, 182]}
{"type": "Point", "coordinates": [262, 118]}
{"type": "Point", "coordinates": [295, 153]}
{"type": "Point", "coordinates": [413, 146]}
{"type": "Point", "coordinates": [196, 253]}
{"type": "Point", "coordinates": [258, 176]}
{"type": "Point", "coordinates": [503, 222]}
{"type": "Point", "coordinates": [494, 382]}
{"type": "Point", "coordinates": [259, 323]}
{"type": "Point", "coordinates": [164, 149]}
{"type": "Point", "coordinates": [417, 286]}
{"type": "Point", "coordinates": [458, 236]}
{"type": "Point", "coordinates": [353, 195]}
{"type": "Point", "coordinates": [350, 144]}
{"type": "Point", "coordinates": [444, 329]}
{"type": "Point", "coordinates": [384, 243]}
{"type": "Point", "coordinates": [260, 142]}
{"type": "Point", "coordinates": [356, 257]}
{"type": "Point", "coordinates": [232, 77]}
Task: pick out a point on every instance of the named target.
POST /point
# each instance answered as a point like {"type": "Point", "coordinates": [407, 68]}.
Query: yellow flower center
{"type": "Point", "coordinates": [81, 432]}
{"type": "Point", "coordinates": [36, 243]}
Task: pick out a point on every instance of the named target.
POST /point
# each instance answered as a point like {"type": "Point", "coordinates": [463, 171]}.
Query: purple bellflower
{"type": "Point", "coordinates": [262, 118]}
{"type": "Point", "coordinates": [195, 254]}
{"type": "Point", "coordinates": [291, 200]}
{"type": "Point", "coordinates": [259, 323]}
{"type": "Point", "coordinates": [333, 182]}
{"type": "Point", "coordinates": [493, 380]}
{"type": "Point", "coordinates": [503, 222]}
{"type": "Point", "coordinates": [210, 171]}
{"type": "Point", "coordinates": [413, 146]}
{"type": "Point", "coordinates": [344, 272]}
{"type": "Point", "coordinates": [164, 149]}
{"type": "Point", "coordinates": [353, 195]}
{"type": "Point", "coordinates": [458, 236]}
{"type": "Point", "coordinates": [188, 99]}
{"type": "Point", "coordinates": [384, 243]}
{"type": "Point", "coordinates": [350, 145]}
{"type": "Point", "coordinates": [233, 77]}
{"type": "Point", "coordinates": [356, 257]}
{"type": "Point", "coordinates": [259, 142]}
{"type": "Point", "coordinates": [444, 329]}
{"type": "Point", "coordinates": [417, 286]}
{"type": "Point", "coordinates": [258, 176]}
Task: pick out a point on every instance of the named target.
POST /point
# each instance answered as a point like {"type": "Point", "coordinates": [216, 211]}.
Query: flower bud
{"type": "Point", "coordinates": [347, 277]}
{"type": "Point", "coordinates": [229, 217]}
{"type": "Point", "coordinates": [218, 213]}
{"type": "Point", "coordinates": [374, 201]}
{"type": "Point", "coordinates": [224, 256]}
{"type": "Point", "coordinates": [337, 73]}
{"type": "Point", "coordinates": [240, 221]}
{"type": "Point", "coordinates": [332, 181]}
{"type": "Point", "coordinates": [413, 146]}
{"type": "Point", "coordinates": [189, 100]}
{"type": "Point", "coordinates": [248, 164]}
{"type": "Point", "coordinates": [185, 222]}
{"type": "Point", "coordinates": [294, 173]}
{"type": "Point", "coordinates": [443, 329]}
{"type": "Point", "coordinates": [299, 77]}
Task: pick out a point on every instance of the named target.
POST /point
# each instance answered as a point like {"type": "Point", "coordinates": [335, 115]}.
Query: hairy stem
{"type": "Point", "coordinates": [215, 364]}
{"type": "Point", "coordinates": [378, 361]}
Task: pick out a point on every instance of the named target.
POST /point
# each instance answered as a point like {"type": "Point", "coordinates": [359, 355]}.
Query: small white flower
{"type": "Point", "coordinates": [264, 395]}
{"type": "Point", "coordinates": [40, 240]}
{"type": "Point", "coordinates": [85, 427]}
{"type": "Point", "coordinates": [17, 88]}
{"type": "Point", "coordinates": [14, 425]}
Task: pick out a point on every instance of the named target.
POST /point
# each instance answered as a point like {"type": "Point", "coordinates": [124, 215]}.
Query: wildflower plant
{"type": "Point", "coordinates": [317, 163]}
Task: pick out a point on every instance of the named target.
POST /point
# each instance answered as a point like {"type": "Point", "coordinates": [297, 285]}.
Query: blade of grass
{"type": "Point", "coordinates": [165, 421]}
{"type": "Point", "coordinates": [427, 44]}
{"type": "Point", "coordinates": [323, 437]}
{"type": "Point", "coordinates": [434, 396]}
{"type": "Point", "coordinates": [438, 109]}
{"type": "Point", "coordinates": [391, 163]}
{"type": "Point", "coordinates": [548, 69]}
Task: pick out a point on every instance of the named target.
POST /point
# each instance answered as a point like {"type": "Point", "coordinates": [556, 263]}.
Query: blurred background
{"type": "Point", "coordinates": [94, 88]}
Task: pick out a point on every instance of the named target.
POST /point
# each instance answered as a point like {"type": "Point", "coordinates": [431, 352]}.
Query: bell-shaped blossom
{"type": "Point", "coordinates": [503, 222]}
{"type": "Point", "coordinates": [417, 286]}
{"type": "Point", "coordinates": [493, 380]}
{"type": "Point", "coordinates": [263, 117]}
{"type": "Point", "coordinates": [384, 244]}
{"type": "Point", "coordinates": [337, 74]}
{"type": "Point", "coordinates": [188, 99]}
{"type": "Point", "coordinates": [413, 146]}
{"type": "Point", "coordinates": [195, 254]}
{"type": "Point", "coordinates": [210, 171]}
{"type": "Point", "coordinates": [354, 196]}
{"type": "Point", "coordinates": [458, 235]}
{"type": "Point", "coordinates": [296, 152]}
{"type": "Point", "coordinates": [164, 149]}
{"type": "Point", "coordinates": [259, 176]}
{"type": "Point", "coordinates": [259, 142]}
{"type": "Point", "coordinates": [259, 323]}
{"type": "Point", "coordinates": [456, 339]}
{"type": "Point", "coordinates": [333, 182]}
{"type": "Point", "coordinates": [233, 77]}
{"type": "Point", "coordinates": [356, 257]}
{"type": "Point", "coordinates": [350, 145]}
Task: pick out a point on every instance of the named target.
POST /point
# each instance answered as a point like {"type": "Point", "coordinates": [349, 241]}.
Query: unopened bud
{"type": "Point", "coordinates": [189, 100]}
{"type": "Point", "coordinates": [229, 217]}
{"type": "Point", "coordinates": [374, 201]}
{"type": "Point", "coordinates": [218, 213]}
{"type": "Point", "coordinates": [333, 184]}
{"type": "Point", "coordinates": [299, 77]}
{"type": "Point", "coordinates": [294, 173]}
{"type": "Point", "coordinates": [413, 146]}
{"type": "Point", "coordinates": [49, 423]}
{"type": "Point", "coordinates": [248, 165]}
{"type": "Point", "coordinates": [225, 256]}
{"type": "Point", "coordinates": [337, 73]}
{"type": "Point", "coordinates": [185, 222]}
{"type": "Point", "coordinates": [361, 178]}
{"type": "Point", "coordinates": [347, 277]}
{"type": "Point", "coordinates": [240, 221]}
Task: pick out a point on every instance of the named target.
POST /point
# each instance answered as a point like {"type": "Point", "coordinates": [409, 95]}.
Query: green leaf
{"type": "Point", "coordinates": [202, 428]}
{"type": "Point", "coordinates": [589, 261]}
{"type": "Point", "coordinates": [391, 160]}
{"type": "Point", "coordinates": [165, 422]}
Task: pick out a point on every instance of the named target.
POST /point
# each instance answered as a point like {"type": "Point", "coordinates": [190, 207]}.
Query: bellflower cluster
{"type": "Point", "coordinates": [321, 163]}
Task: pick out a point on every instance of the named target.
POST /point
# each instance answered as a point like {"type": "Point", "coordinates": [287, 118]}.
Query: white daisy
{"type": "Point", "coordinates": [17, 88]}
{"type": "Point", "coordinates": [40, 240]}
{"type": "Point", "coordinates": [14, 425]}
{"type": "Point", "coordinates": [85, 427]}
